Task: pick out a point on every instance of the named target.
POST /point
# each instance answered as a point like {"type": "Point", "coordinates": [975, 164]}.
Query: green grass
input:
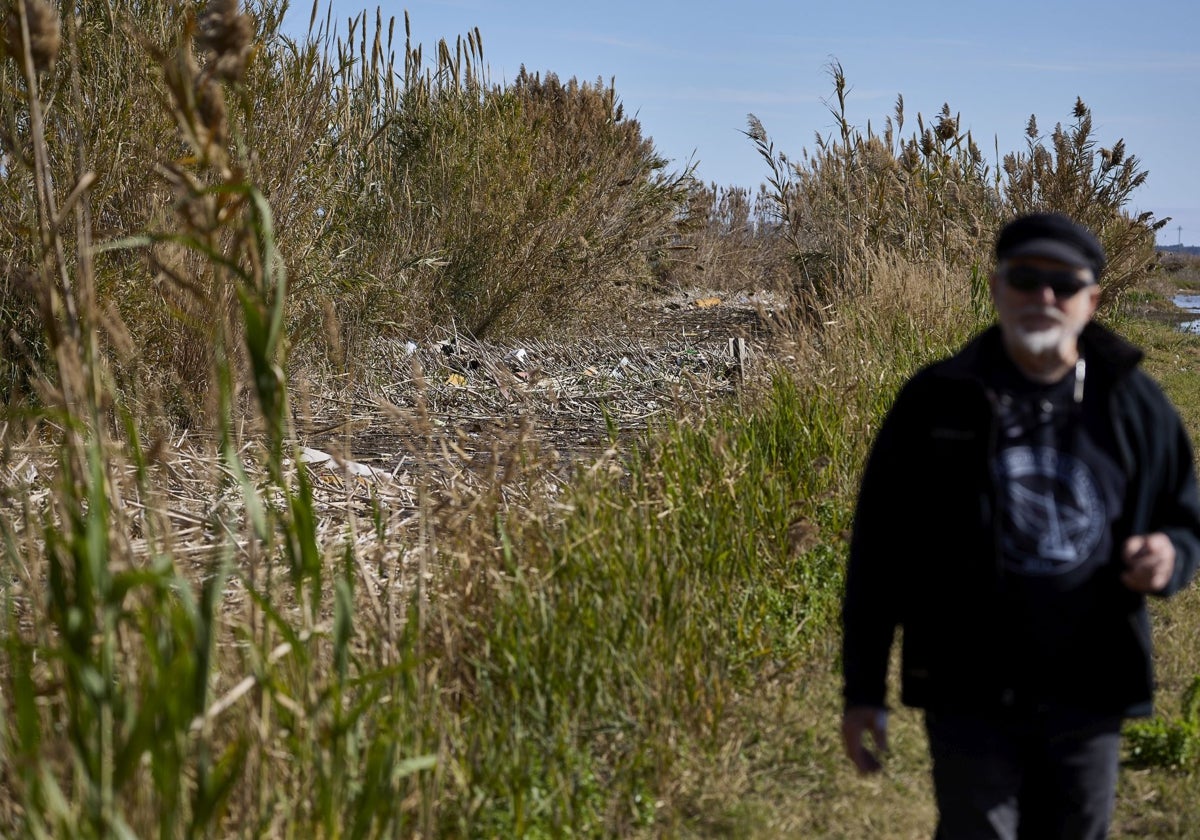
{"type": "Point", "coordinates": [664, 589]}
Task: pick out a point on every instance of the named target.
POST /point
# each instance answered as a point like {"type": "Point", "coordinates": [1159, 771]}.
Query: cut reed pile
{"type": "Point", "coordinates": [571, 391]}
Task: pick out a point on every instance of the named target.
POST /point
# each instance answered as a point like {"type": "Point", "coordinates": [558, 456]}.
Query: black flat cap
{"type": "Point", "coordinates": [1052, 236]}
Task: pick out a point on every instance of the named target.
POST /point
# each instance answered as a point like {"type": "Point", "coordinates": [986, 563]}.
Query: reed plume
{"type": "Point", "coordinates": [227, 36]}
{"type": "Point", "coordinates": [41, 21]}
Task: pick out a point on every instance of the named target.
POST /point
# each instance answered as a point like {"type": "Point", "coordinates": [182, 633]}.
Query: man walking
{"type": "Point", "coordinates": [1020, 501]}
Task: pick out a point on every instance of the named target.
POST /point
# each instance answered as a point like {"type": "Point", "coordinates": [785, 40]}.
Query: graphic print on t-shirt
{"type": "Point", "coordinates": [1054, 510]}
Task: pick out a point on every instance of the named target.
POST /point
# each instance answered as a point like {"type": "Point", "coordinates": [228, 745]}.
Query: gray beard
{"type": "Point", "coordinates": [1040, 342]}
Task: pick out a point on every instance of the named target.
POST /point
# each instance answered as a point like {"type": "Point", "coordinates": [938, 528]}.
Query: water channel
{"type": "Point", "coordinates": [1189, 303]}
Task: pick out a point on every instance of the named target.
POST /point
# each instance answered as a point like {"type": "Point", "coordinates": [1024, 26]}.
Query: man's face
{"type": "Point", "coordinates": [1041, 320]}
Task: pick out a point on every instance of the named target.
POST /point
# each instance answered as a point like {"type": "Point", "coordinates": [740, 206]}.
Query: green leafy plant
{"type": "Point", "coordinates": [1169, 744]}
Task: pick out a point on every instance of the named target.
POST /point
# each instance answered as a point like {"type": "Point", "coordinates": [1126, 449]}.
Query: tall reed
{"type": "Point", "coordinates": [114, 648]}
{"type": "Point", "coordinates": [932, 197]}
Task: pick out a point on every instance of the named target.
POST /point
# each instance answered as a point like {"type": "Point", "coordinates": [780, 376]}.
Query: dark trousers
{"type": "Point", "coordinates": [1024, 775]}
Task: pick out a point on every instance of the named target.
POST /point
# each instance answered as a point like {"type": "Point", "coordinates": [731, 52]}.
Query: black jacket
{"type": "Point", "coordinates": [924, 553]}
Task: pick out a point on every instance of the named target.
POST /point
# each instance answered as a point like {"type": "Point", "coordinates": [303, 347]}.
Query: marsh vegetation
{"type": "Point", "coordinates": [370, 464]}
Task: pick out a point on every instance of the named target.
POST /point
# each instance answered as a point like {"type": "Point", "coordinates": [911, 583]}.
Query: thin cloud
{"type": "Point", "coordinates": [1046, 68]}
{"type": "Point", "coordinates": [745, 97]}
{"type": "Point", "coordinates": [472, 5]}
{"type": "Point", "coordinates": [891, 43]}
{"type": "Point", "coordinates": [636, 46]}
{"type": "Point", "coordinates": [1174, 63]}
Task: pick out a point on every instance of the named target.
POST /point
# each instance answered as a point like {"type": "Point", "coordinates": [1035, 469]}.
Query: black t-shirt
{"type": "Point", "coordinates": [1059, 491]}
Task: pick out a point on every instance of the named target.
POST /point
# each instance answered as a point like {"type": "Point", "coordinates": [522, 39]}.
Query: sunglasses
{"type": "Point", "coordinates": [1027, 278]}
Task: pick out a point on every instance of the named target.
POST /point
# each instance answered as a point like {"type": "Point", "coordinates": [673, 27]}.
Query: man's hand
{"type": "Point", "coordinates": [1149, 562]}
{"type": "Point", "coordinates": [856, 721]}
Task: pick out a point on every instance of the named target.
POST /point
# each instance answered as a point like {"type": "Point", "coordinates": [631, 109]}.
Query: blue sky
{"type": "Point", "coordinates": [692, 71]}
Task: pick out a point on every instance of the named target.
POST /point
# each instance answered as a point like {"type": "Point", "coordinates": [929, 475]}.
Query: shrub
{"type": "Point", "coordinates": [413, 197]}
{"type": "Point", "coordinates": [925, 199]}
{"type": "Point", "coordinates": [1073, 175]}
{"type": "Point", "coordinates": [538, 199]}
{"type": "Point", "coordinates": [932, 199]}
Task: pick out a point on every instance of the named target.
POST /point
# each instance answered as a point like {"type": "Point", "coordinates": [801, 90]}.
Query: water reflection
{"type": "Point", "coordinates": [1189, 303]}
